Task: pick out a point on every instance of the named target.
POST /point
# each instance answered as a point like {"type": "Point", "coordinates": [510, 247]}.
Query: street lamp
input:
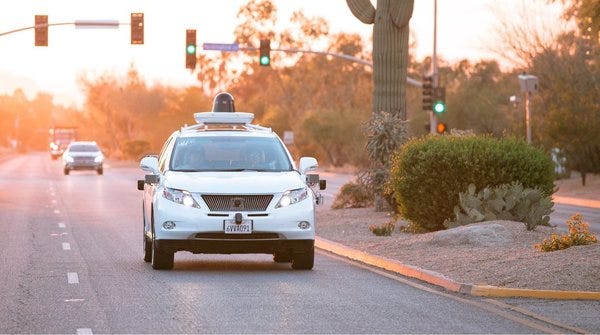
{"type": "Point", "coordinates": [529, 84]}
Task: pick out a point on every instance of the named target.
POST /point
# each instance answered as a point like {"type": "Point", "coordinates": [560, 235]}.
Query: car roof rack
{"type": "Point", "coordinates": [224, 121]}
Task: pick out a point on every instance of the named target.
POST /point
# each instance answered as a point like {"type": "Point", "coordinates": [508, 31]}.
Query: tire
{"type": "Point", "coordinates": [147, 249]}
{"type": "Point", "coordinates": [282, 257]}
{"type": "Point", "coordinates": [161, 259]}
{"type": "Point", "coordinates": [100, 171]}
{"type": "Point", "coordinates": [304, 261]}
{"type": "Point", "coordinates": [66, 171]}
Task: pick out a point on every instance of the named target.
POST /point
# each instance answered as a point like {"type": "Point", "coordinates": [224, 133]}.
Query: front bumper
{"type": "Point", "coordinates": [83, 166]}
{"type": "Point", "coordinates": [206, 246]}
{"type": "Point", "coordinates": [288, 229]}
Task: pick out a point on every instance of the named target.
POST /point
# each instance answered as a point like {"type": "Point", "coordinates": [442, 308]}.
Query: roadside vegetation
{"type": "Point", "coordinates": [326, 102]}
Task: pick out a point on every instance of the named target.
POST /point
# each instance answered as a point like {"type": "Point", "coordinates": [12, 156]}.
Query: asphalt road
{"type": "Point", "coordinates": [71, 262]}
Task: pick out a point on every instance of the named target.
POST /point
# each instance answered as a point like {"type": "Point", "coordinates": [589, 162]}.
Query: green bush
{"type": "Point", "coordinates": [384, 229]}
{"type": "Point", "coordinates": [505, 202]}
{"type": "Point", "coordinates": [353, 195]}
{"type": "Point", "coordinates": [428, 173]}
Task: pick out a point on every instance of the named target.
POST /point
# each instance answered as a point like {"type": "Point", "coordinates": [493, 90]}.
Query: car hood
{"type": "Point", "coordinates": [245, 182]}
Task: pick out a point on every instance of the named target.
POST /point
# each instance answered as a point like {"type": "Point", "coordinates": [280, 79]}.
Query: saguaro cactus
{"type": "Point", "coordinates": [390, 50]}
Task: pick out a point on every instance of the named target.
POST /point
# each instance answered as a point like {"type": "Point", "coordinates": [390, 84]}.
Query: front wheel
{"type": "Point", "coordinates": [161, 259]}
{"type": "Point", "coordinates": [147, 249]}
{"type": "Point", "coordinates": [304, 261]}
{"type": "Point", "coordinates": [66, 171]}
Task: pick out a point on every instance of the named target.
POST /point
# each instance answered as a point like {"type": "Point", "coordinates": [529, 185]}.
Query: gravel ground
{"type": "Point", "coordinates": [498, 253]}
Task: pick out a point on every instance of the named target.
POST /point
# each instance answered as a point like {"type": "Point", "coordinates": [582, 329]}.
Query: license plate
{"type": "Point", "coordinates": [230, 227]}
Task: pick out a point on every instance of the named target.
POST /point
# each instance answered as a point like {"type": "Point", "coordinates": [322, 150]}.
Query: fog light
{"type": "Point", "coordinates": [168, 225]}
{"type": "Point", "coordinates": [303, 225]}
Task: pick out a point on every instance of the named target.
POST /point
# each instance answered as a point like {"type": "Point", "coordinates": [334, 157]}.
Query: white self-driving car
{"type": "Point", "coordinates": [227, 186]}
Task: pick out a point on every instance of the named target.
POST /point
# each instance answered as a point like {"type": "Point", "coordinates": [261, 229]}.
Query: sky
{"type": "Point", "coordinates": [464, 28]}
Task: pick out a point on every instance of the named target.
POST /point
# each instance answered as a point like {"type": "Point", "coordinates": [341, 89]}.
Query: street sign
{"type": "Point", "coordinates": [221, 46]}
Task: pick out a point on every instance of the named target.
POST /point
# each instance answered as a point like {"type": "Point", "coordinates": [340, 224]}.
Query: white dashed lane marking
{"type": "Point", "coordinates": [72, 278]}
{"type": "Point", "coordinates": [66, 246]}
{"type": "Point", "coordinates": [84, 331]}
{"type": "Point", "coordinates": [61, 225]}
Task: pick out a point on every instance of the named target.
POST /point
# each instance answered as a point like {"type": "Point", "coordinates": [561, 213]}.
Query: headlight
{"type": "Point", "coordinates": [68, 159]}
{"type": "Point", "coordinates": [292, 197]}
{"type": "Point", "coordinates": [180, 197]}
{"type": "Point", "coordinates": [98, 159]}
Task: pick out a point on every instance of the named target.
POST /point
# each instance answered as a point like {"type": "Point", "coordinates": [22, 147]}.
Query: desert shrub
{"type": "Point", "coordinates": [353, 195]}
{"type": "Point", "coordinates": [504, 202]}
{"type": "Point", "coordinates": [384, 229]}
{"type": "Point", "coordinates": [579, 234]}
{"type": "Point", "coordinates": [428, 173]}
{"type": "Point", "coordinates": [135, 149]}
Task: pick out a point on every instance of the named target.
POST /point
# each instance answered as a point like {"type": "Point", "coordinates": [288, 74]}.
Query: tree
{"type": "Point", "coordinates": [571, 111]}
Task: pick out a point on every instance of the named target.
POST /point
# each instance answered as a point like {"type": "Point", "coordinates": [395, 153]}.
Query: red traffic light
{"type": "Point", "coordinates": [41, 30]}
{"type": "Point", "coordinates": [441, 128]}
{"type": "Point", "coordinates": [137, 28]}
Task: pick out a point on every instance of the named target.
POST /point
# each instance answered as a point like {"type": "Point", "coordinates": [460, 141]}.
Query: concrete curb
{"type": "Point", "coordinates": [577, 201]}
{"type": "Point", "coordinates": [440, 280]}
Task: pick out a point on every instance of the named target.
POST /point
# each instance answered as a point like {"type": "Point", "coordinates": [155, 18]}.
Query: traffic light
{"type": "Point", "coordinates": [137, 28]}
{"type": "Point", "coordinates": [427, 93]}
{"type": "Point", "coordinates": [439, 100]}
{"type": "Point", "coordinates": [190, 49]}
{"type": "Point", "coordinates": [441, 128]}
{"type": "Point", "coordinates": [41, 30]}
{"type": "Point", "coordinates": [265, 51]}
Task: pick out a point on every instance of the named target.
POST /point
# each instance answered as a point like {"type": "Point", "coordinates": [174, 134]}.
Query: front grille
{"type": "Point", "coordinates": [83, 160]}
{"type": "Point", "coordinates": [239, 203]}
{"type": "Point", "coordinates": [223, 236]}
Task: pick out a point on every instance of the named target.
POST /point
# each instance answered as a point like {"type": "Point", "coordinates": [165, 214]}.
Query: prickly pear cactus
{"type": "Point", "coordinates": [504, 202]}
{"type": "Point", "coordinates": [390, 50]}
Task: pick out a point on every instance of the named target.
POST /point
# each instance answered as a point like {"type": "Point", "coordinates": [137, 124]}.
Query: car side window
{"type": "Point", "coordinates": [165, 154]}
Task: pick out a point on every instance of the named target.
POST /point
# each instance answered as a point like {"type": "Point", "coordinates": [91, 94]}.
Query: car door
{"type": "Point", "coordinates": [152, 190]}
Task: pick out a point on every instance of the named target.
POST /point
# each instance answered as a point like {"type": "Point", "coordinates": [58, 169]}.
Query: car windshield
{"type": "Point", "coordinates": [84, 148]}
{"type": "Point", "coordinates": [234, 153]}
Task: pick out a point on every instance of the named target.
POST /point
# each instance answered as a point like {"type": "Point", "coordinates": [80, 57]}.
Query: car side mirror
{"type": "Point", "coordinates": [140, 185]}
{"type": "Point", "coordinates": [322, 184]}
{"type": "Point", "coordinates": [308, 164]}
{"type": "Point", "coordinates": [149, 164]}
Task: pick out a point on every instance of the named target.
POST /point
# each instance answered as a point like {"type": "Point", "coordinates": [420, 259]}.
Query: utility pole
{"type": "Point", "coordinates": [529, 84]}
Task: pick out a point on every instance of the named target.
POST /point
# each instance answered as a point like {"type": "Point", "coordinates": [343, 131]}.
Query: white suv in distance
{"type": "Point", "coordinates": [226, 186]}
{"type": "Point", "coordinates": [83, 155]}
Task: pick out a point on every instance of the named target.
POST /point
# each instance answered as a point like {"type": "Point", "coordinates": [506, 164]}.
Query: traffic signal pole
{"type": "Point", "coordinates": [433, 120]}
{"type": "Point", "coordinates": [409, 80]}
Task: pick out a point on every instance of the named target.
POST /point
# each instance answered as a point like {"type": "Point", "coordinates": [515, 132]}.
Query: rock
{"type": "Point", "coordinates": [488, 234]}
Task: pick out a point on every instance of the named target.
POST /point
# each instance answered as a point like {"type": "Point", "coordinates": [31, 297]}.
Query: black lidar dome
{"type": "Point", "coordinates": [223, 103]}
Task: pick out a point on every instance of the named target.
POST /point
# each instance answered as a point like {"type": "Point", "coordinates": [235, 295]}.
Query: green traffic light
{"type": "Point", "coordinates": [439, 107]}
{"type": "Point", "coordinates": [191, 49]}
{"type": "Point", "coordinates": [265, 60]}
